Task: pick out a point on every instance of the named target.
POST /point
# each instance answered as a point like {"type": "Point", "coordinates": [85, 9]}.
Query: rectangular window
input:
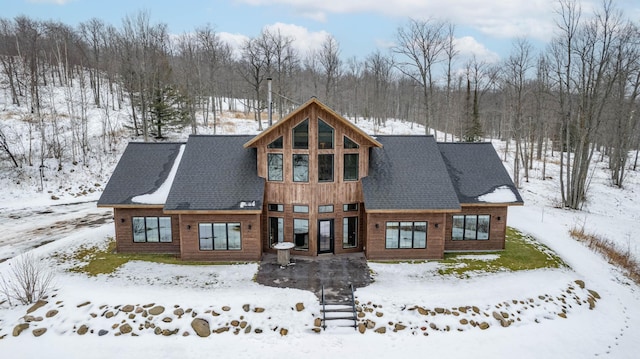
{"type": "Point", "coordinates": [406, 235]}
{"type": "Point", "coordinates": [276, 230]}
{"type": "Point", "coordinates": [351, 166]}
{"type": "Point", "coordinates": [275, 166]}
{"type": "Point", "coordinates": [325, 168]}
{"type": "Point", "coordinates": [300, 168]}
{"type": "Point", "coordinates": [470, 227]}
{"type": "Point", "coordinates": [350, 207]}
{"type": "Point", "coordinates": [275, 207]}
{"type": "Point", "coordinates": [301, 135]}
{"type": "Point", "coordinates": [349, 232]}
{"type": "Point", "coordinates": [152, 229]}
{"type": "Point", "coordinates": [301, 233]}
{"type": "Point", "coordinates": [325, 209]}
{"type": "Point", "coordinates": [300, 209]}
{"type": "Point", "coordinates": [219, 236]}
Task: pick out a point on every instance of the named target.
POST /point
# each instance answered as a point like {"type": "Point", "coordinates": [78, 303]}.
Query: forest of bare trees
{"type": "Point", "coordinates": [576, 98]}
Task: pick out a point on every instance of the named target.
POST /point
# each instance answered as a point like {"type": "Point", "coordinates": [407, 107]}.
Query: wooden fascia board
{"type": "Point", "coordinates": [234, 212]}
{"type": "Point", "coordinates": [485, 204]}
{"type": "Point", "coordinates": [410, 211]}
{"type": "Point", "coordinates": [313, 100]}
{"type": "Point", "coordinates": [131, 206]}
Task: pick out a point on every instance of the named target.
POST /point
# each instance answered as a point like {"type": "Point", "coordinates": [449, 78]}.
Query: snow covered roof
{"type": "Point", "coordinates": [142, 170]}
{"type": "Point", "coordinates": [408, 173]}
{"type": "Point", "coordinates": [216, 173]}
{"type": "Point", "coordinates": [477, 173]}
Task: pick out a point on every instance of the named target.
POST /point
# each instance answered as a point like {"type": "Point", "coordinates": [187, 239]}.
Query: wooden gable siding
{"type": "Point", "coordinates": [251, 249]}
{"type": "Point", "coordinates": [122, 218]}
{"type": "Point", "coordinates": [375, 246]}
{"type": "Point", "coordinates": [313, 193]}
{"type": "Point", "coordinates": [497, 230]}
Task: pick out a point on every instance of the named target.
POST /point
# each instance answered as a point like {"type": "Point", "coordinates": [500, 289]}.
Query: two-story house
{"type": "Point", "coordinates": [313, 179]}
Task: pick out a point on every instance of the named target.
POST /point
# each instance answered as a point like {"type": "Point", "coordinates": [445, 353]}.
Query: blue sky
{"type": "Point", "coordinates": [484, 28]}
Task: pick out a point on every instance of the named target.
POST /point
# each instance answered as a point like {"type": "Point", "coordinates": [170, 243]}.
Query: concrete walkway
{"type": "Point", "coordinates": [336, 272]}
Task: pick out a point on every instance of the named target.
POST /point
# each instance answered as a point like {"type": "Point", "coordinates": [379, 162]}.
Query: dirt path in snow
{"type": "Point", "coordinates": [26, 228]}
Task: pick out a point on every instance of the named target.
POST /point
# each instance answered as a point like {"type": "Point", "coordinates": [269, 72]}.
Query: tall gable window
{"type": "Point", "coordinates": [300, 168]}
{"type": "Point", "coordinates": [351, 166]}
{"type": "Point", "coordinates": [325, 135]}
{"type": "Point", "coordinates": [301, 135]}
{"type": "Point", "coordinates": [275, 166]}
{"type": "Point", "coordinates": [277, 143]}
{"type": "Point", "coordinates": [349, 144]}
{"type": "Point", "coordinates": [325, 168]}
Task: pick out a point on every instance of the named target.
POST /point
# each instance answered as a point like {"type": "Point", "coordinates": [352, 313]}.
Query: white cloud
{"type": "Point", "coordinates": [304, 40]}
{"type": "Point", "coordinates": [469, 47]}
{"type": "Point", "coordinates": [499, 18]}
{"type": "Point", "coordinates": [56, 2]}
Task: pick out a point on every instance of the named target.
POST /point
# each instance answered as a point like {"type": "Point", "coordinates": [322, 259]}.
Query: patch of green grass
{"type": "Point", "coordinates": [521, 252]}
{"type": "Point", "coordinates": [95, 260]}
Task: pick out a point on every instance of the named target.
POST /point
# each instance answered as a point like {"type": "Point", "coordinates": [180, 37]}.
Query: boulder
{"type": "Point", "coordinates": [483, 325]}
{"type": "Point", "coordinates": [201, 327]}
{"type": "Point", "coordinates": [20, 328]}
{"type": "Point", "coordinates": [226, 308]}
{"type": "Point", "coordinates": [246, 307]}
{"type": "Point", "coordinates": [299, 307]}
{"type": "Point", "coordinates": [362, 328]}
{"type": "Point", "coordinates": [179, 312]}
{"type": "Point", "coordinates": [125, 328]}
{"type": "Point", "coordinates": [381, 330]}
{"type": "Point", "coordinates": [399, 327]}
{"type": "Point", "coordinates": [580, 283]}
{"type": "Point", "coordinates": [258, 310]}
{"type": "Point", "coordinates": [157, 310]}
{"type": "Point", "coordinates": [51, 313]}
{"type": "Point", "coordinates": [36, 306]}
{"type": "Point", "coordinates": [38, 332]}
{"type": "Point", "coordinates": [83, 330]}
{"type": "Point", "coordinates": [317, 322]}
{"type": "Point", "coordinates": [102, 332]}
{"type": "Point", "coordinates": [283, 331]}
{"type": "Point", "coordinates": [128, 308]}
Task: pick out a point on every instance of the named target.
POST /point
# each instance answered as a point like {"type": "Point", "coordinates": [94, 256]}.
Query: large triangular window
{"type": "Point", "coordinates": [349, 144]}
{"type": "Point", "coordinates": [277, 143]}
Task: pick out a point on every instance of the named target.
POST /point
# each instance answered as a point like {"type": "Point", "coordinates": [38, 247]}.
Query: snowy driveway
{"type": "Point", "coordinates": [24, 228]}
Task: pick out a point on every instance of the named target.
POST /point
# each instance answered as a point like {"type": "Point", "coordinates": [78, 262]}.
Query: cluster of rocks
{"type": "Point", "coordinates": [136, 319]}
{"type": "Point", "coordinates": [467, 317]}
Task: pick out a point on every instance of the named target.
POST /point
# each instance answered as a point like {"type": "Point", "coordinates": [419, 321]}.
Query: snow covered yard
{"type": "Point", "coordinates": [407, 300]}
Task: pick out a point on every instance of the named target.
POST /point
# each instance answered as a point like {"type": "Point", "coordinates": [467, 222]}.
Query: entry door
{"type": "Point", "coordinates": [325, 236]}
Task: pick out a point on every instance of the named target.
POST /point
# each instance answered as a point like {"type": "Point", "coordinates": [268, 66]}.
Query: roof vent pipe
{"type": "Point", "coordinates": [270, 103]}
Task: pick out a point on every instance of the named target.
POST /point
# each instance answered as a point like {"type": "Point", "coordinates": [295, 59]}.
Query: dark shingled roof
{"type": "Point", "coordinates": [216, 173]}
{"type": "Point", "coordinates": [475, 170]}
{"type": "Point", "coordinates": [408, 173]}
{"type": "Point", "coordinates": [142, 168]}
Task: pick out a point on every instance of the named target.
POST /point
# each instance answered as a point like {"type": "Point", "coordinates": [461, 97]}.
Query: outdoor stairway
{"type": "Point", "coordinates": [339, 314]}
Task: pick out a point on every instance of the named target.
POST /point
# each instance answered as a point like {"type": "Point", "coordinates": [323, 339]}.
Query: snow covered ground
{"type": "Point", "coordinates": [32, 221]}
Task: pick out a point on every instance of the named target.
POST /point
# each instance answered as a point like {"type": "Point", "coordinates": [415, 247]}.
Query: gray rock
{"type": "Point", "coordinates": [102, 332]}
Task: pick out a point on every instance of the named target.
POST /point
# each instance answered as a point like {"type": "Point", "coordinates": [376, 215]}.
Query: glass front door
{"type": "Point", "coordinates": [325, 236]}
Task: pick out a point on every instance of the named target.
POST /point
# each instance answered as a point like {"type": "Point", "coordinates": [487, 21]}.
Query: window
{"type": "Point", "coordinates": [219, 236]}
{"type": "Point", "coordinates": [301, 135]}
{"type": "Point", "coordinates": [275, 166]}
{"type": "Point", "coordinates": [300, 209]}
{"type": "Point", "coordinates": [349, 232]}
{"type": "Point", "coordinates": [276, 230]}
{"type": "Point", "coordinates": [325, 209]}
{"type": "Point", "coordinates": [351, 166]}
{"type": "Point", "coordinates": [325, 135]}
{"type": "Point", "coordinates": [349, 144]}
{"type": "Point", "coordinates": [301, 168]}
{"type": "Point", "coordinates": [275, 207]}
{"type": "Point", "coordinates": [301, 233]}
{"type": "Point", "coordinates": [470, 227]}
{"type": "Point", "coordinates": [152, 229]}
{"type": "Point", "coordinates": [277, 143]}
{"type": "Point", "coordinates": [406, 235]}
{"type": "Point", "coordinates": [325, 168]}
{"type": "Point", "coordinates": [350, 207]}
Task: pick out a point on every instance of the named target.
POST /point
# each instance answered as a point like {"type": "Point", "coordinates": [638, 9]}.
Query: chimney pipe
{"type": "Point", "coordinates": [269, 101]}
